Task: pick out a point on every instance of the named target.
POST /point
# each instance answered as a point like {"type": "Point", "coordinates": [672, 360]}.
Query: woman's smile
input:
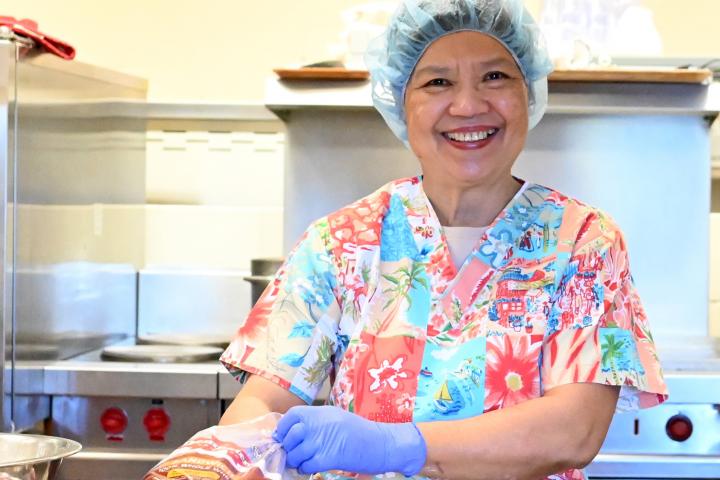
{"type": "Point", "coordinates": [470, 138]}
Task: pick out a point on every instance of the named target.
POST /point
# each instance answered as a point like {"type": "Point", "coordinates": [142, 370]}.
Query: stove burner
{"type": "Point", "coordinates": [161, 353]}
{"type": "Point", "coordinates": [189, 339]}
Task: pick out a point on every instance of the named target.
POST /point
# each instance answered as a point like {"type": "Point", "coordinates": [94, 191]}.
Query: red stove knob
{"type": "Point", "coordinates": [114, 421]}
{"type": "Point", "coordinates": [157, 423]}
{"type": "Point", "coordinates": [679, 427]}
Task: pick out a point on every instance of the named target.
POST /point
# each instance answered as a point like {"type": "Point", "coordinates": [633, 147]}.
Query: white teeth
{"type": "Point", "coordinates": [472, 136]}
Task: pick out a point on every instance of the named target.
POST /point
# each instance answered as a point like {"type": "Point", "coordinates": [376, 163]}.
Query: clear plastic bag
{"type": "Point", "coordinates": [227, 453]}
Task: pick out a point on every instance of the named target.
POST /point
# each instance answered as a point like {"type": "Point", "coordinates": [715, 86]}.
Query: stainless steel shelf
{"type": "Point", "coordinates": [46, 78]}
{"type": "Point", "coordinates": [564, 97]}
{"type": "Point", "coordinates": [129, 379]}
{"type": "Point", "coordinates": [109, 108]}
{"type": "Point", "coordinates": [52, 63]}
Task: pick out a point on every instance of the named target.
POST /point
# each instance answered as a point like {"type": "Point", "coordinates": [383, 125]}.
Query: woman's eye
{"type": "Point", "coordinates": [437, 82]}
{"type": "Point", "coordinates": [496, 76]}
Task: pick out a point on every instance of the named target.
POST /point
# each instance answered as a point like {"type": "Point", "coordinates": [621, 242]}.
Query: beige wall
{"type": "Point", "coordinates": [222, 50]}
{"type": "Point", "coordinates": [217, 50]}
{"type": "Point", "coordinates": [688, 28]}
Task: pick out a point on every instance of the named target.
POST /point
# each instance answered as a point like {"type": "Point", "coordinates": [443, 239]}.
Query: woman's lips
{"type": "Point", "coordinates": [470, 138]}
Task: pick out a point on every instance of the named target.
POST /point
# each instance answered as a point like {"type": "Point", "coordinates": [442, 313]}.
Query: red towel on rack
{"type": "Point", "coordinates": [29, 29]}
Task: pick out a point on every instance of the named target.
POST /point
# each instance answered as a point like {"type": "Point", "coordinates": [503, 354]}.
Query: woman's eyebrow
{"type": "Point", "coordinates": [433, 69]}
{"type": "Point", "coordinates": [441, 70]}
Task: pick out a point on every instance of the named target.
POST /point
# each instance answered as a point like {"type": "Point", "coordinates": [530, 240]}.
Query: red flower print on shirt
{"type": "Point", "coordinates": [512, 370]}
{"type": "Point", "coordinates": [439, 266]}
{"type": "Point", "coordinates": [358, 225]}
{"type": "Point", "coordinates": [436, 324]}
{"type": "Point", "coordinates": [387, 374]}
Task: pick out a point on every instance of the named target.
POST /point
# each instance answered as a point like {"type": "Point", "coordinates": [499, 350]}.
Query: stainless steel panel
{"type": "Point", "coordinates": [79, 418]}
{"type": "Point", "coordinates": [228, 386]}
{"type": "Point", "coordinates": [30, 404]}
{"type": "Point", "coordinates": [8, 55]}
{"type": "Point", "coordinates": [694, 387]}
{"type": "Point", "coordinates": [643, 432]}
{"type": "Point", "coordinates": [29, 378]}
{"type": "Point", "coordinates": [29, 411]}
{"type": "Point", "coordinates": [74, 307]}
{"type": "Point", "coordinates": [127, 379]}
{"type": "Point", "coordinates": [654, 467]}
{"type": "Point", "coordinates": [192, 301]}
{"type": "Point", "coordinates": [56, 152]}
{"type": "Point", "coordinates": [690, 354]}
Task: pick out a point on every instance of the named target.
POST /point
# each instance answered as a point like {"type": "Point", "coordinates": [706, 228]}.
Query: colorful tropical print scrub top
{"type": "Point", "coordinates": [370, 297]}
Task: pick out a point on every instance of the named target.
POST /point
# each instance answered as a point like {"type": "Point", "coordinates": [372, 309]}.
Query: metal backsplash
{"type": "Point", "coordinates": [70, 308]}
{"type": "Point", "coordinates": [192, 301]}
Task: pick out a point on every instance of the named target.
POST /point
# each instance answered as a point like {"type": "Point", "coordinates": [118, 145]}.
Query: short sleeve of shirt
{"type": "Point", "coordinates": [597, 329]}
{"type": "Point", "coordinates": [289, 336]}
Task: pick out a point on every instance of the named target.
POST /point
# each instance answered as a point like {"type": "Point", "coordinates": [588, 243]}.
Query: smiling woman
{"type": "Point", "coordinates": [504, 361]}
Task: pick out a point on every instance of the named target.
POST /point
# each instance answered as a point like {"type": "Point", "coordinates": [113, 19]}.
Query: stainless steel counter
{"type": "Point", "coordinates": [90, 376]}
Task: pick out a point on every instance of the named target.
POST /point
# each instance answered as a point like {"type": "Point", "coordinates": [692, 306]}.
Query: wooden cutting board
{"type": "Point", "coordinates": [633, 75]}
{"type": "Point", "coordinates": [606, 75]}
{"type": "Point", "coordinates": [326, 73]}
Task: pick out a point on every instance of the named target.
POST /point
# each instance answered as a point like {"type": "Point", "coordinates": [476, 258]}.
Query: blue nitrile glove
{"type": "Point", "coordinates": [318, 439]}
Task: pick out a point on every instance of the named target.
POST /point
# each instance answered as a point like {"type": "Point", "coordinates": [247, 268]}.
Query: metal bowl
{"type": "Point", "coordinates": [33, 457]}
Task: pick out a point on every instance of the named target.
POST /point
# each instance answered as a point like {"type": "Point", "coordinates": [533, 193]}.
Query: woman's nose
{"type": "Point", "coordinates": [468, 102]}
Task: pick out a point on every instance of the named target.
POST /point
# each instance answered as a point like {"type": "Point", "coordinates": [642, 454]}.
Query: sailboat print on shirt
{"type": "Point", "coordinates": [451, 385]}
{"type": "Point", "coordinates": [453, 394]}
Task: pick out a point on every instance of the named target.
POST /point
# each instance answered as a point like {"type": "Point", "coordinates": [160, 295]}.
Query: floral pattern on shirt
{"type": "Point", "coordinates": [370, 297]}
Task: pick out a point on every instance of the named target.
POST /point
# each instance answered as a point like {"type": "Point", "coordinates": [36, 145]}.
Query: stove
{"type": "Point", "coordinates": [681, 437]}
{"type": "Point", "coordinates": [128, 415]}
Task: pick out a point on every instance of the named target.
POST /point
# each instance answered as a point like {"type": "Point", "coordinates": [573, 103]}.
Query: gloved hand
{"type": "Point", "coordinates": [318, 439]}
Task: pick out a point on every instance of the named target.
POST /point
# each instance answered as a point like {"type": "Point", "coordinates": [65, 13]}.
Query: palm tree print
{"type": "Point", "coordinates": [402, 281]}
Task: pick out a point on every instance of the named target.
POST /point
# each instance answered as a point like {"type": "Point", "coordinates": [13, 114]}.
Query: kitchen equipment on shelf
{"type": "Point", "coordinates": [34, 457]}
{"type": "Point", "coordinates": [585, 33]}
{"type": "Point", "coordinates": [262, 271]}
{"type": "Point", "coordinates": [161, 353]}
{"type": "Point", "coordinates": [361, 24]}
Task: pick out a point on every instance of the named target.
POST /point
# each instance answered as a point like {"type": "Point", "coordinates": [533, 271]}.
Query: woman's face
{"type": "Point", "coordinates": [466, 107]}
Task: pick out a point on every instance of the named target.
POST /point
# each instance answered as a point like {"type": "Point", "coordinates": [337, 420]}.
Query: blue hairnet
{"type": "Point", "coordinates": [392, 57]}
